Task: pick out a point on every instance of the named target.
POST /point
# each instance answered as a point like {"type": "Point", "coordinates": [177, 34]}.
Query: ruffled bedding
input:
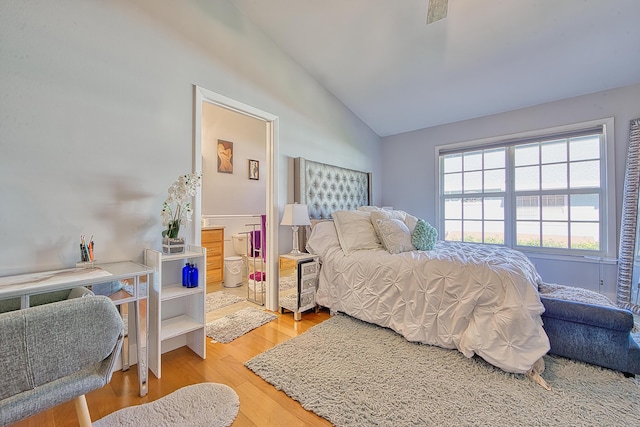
{"type": "Point", "coordinates": [478, 299]}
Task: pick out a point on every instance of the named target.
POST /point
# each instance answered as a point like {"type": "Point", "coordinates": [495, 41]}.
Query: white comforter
{"type": "Point", "coordinates": [478, 299]}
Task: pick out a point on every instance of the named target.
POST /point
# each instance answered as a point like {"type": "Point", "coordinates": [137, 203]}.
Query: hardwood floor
{"type": "Point", "coordinates": [260, 403]}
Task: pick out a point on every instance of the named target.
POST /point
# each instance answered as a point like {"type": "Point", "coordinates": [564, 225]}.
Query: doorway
{"type": "Point", "coordinates": [270, 169]}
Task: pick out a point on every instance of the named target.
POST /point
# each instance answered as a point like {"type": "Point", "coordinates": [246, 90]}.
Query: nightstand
{"type": "Point", "coordinates": [298, 283]}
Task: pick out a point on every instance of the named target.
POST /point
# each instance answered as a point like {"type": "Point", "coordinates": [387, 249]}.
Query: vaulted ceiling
{"type": "Point", "coordinates": [396, 73]}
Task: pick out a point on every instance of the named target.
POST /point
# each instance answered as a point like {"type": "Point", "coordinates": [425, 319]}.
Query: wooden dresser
{"type": "Point", "coordinates": [213, 240]}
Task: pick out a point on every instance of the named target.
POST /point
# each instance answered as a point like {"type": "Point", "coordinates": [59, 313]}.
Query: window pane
{"type": "Point", "coordinates": [554, 151]}
{"type": "Point", "coordinates": [554, 234]}
{"type": "Point", "coordinates": [472, 208]}
{"type": "Point", "coordinates": [584, 174]}
{"type": "Point", "coordinates": [472, 182]}
{"type": "Point", "coordinates": [555, 208]}
{"type": "Point", "coordinates": [472, 231]}
{"type": "Point", "coordinates": [528, 233]}
{"type": "Point", "coordinates": [494, 159]}
{"type": "Point", "coordinates": [494, 232]}
{"type": "Point", "coordinates": [585, 235]}
{"type": "Point", "coordinates": [585, 207]}
{"type": "Point", "coordinates": [473, 161]}
{"type": "Point", "coordinates": [453, 208]}
{"type": "Point", "coordinates": [545, 194]}
{"type": "Point", "coordinates": [584, 147]}
{"type": "Point", "coordinates": [453, 163]}
{"type": "Point", "coordinates": [453, 183]}
{"type": "Point", "coordinates": [527, 154]}
{"type": "Point", "coordinates": [453, 231]}
{"type": "Point", "coordinates": [554, 177]}
{"type": "Point", "coordinates": [528, 207]}
{"type": "Point", "coordinates": [494, 208]}
{"type": "Point", "coordinates": [527, 178]}
{"type": "Point", "coordinates": [494, 181]}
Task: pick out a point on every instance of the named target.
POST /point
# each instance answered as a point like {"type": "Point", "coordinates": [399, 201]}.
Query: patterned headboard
{"type": "Point", "coordinates": [326, 188]}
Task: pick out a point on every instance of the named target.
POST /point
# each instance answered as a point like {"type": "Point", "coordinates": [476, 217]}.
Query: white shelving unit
{"type": "Point", "coordinates": [176, 313]}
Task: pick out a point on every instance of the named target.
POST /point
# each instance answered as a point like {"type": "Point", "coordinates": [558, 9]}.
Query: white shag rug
{"type": "Point", "coordinates": [357, 374]}
{"type": "Point", "coordinates": [234, 325]}
{"type": "Point", "coordinates": [220, 299]}
{"type": "Point", "coordinates": [198, 405]}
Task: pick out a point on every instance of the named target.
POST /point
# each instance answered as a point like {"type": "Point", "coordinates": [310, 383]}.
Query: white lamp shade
{"type": "Point", "coordinates": [295, 214]}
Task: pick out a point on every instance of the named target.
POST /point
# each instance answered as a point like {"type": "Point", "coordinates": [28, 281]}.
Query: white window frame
{"type": "Point", "coordinates": [608, 226]}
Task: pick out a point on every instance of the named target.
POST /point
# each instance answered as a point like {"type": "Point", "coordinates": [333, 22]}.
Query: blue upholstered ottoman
{"type": "Point", "coordinates": [590, 329]}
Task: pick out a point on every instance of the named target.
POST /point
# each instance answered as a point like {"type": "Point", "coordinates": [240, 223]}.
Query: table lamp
{"type": "Point", "coordinates": [295, 215]}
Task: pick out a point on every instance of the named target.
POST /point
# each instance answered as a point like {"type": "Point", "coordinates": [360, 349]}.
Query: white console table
{"type": "Point", "coordinates": [135, 279]}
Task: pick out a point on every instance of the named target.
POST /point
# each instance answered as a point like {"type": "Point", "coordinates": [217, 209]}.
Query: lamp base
{"type": "Point", "coordinates": [296, 248]}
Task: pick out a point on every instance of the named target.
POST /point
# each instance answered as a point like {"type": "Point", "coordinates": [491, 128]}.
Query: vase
{"type": "Point", "coordinates": [173, 245]}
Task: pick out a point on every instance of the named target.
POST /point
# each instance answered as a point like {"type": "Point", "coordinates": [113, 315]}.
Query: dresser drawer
{"type": "Point", "coordinates": [213, 241]}
{"type": "Point", "coordinates": [214, 275]}
{"type": "Point", "coordinates": [214, 262]}
{"type": "Point", "coordinates": [213, 248]}
{"type": "Point", "coordinates": [210, 236]}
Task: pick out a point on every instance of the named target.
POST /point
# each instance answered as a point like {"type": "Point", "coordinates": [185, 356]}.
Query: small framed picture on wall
{"type": "Point", "coordinates": [254, 169]}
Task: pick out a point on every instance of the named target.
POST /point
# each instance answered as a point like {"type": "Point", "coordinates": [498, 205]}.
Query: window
{"type": "Point", "coordinates": [545, 193]}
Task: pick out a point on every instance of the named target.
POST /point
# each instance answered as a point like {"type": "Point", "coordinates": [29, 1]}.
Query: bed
{"type": "Point", "coordinates": [479, 299]}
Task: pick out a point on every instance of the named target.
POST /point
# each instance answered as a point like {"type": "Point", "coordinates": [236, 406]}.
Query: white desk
{"type": "Point", "coordinates": [134, 277]}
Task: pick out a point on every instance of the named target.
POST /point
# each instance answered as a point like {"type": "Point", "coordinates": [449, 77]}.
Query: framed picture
{"type": "Point", "coordinates": [225, 156]}
{"type": "Point", "coordinates": [254, 169]}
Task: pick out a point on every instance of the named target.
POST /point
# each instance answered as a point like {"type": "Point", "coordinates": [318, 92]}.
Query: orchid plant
{"type": "Point", "coordinates": [176, 210]}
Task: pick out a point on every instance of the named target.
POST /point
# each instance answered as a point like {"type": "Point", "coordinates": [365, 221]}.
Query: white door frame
{"type": "Point", "coordinates": [203, 95]}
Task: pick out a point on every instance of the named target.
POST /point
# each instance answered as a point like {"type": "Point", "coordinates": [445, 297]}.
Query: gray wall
{"type": "Point", "coordinates": [409, 168]}
{"type": "Point", "coordinates": [96, 118]}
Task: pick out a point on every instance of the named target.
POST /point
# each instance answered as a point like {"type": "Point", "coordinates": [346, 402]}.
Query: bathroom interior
{"type": "Point", "coordinates": [234, 201]}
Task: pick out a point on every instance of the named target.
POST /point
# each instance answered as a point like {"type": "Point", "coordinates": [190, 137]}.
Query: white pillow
{"type": "Point", "coordinates": [355, 231]}
{"type": "Point", "coordinates": [409, 220]}
{"type": "Point", "coordinates": [318, 221]}
{"type": "Point", "coordinates": [376, 215]}
{"type": "Point", "coordinates": [395, 235]}
{"type": "Point", "coordinates": [369, 208]}
{"type": "Point", "coordinates": [323, 237]}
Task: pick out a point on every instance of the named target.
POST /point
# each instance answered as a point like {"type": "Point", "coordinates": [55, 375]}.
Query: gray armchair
{"type": "Point", "coordinates": [56, 352]}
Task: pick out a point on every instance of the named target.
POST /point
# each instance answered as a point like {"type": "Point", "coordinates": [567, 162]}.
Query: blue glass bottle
{"type": "Point", "coordinates": [193, 276]}
{"type": "Point", "coordinates": [185, 274]}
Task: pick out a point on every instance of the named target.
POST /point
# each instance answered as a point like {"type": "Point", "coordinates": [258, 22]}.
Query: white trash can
{"type": "Point", "coordinates": [232, 272]}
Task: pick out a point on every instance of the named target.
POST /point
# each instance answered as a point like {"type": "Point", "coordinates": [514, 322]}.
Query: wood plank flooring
{"type": "Point", "coordinates": [260, 403]}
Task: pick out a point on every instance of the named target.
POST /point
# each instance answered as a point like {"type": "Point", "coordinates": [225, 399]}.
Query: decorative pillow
{"type": "Point", "coordinates": [395, 235]}
{"type": "Point", "coordinates": [355, 231]}
{"type": "Point", "coordinates": [376, 215]}
{"type": "Point", "coordinates": [424, 236]}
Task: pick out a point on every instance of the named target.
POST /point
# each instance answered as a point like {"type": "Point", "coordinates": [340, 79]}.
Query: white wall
{"type": "Point", "coordinates": [96, 118]}
{"type": "Point", "coordinates": [409, 168]}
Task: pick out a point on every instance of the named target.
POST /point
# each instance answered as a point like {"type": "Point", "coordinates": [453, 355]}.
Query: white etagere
{"type": "Point", "coordinates": [176, 313]}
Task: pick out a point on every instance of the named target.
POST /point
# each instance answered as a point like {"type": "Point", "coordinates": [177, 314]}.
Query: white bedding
{"type": "Point", "coordinates": [479, 299]}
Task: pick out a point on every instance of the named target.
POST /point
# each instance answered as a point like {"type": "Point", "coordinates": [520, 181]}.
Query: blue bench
{"type": "Point", "coordinates": [591, 333]}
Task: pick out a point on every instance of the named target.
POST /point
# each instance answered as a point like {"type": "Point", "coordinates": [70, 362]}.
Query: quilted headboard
{"type": "Point", "coordinates": [326, 188]}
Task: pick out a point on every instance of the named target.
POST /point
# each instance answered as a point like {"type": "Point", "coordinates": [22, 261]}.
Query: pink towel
{"type": "Point", "coordinates": [258, 276]}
